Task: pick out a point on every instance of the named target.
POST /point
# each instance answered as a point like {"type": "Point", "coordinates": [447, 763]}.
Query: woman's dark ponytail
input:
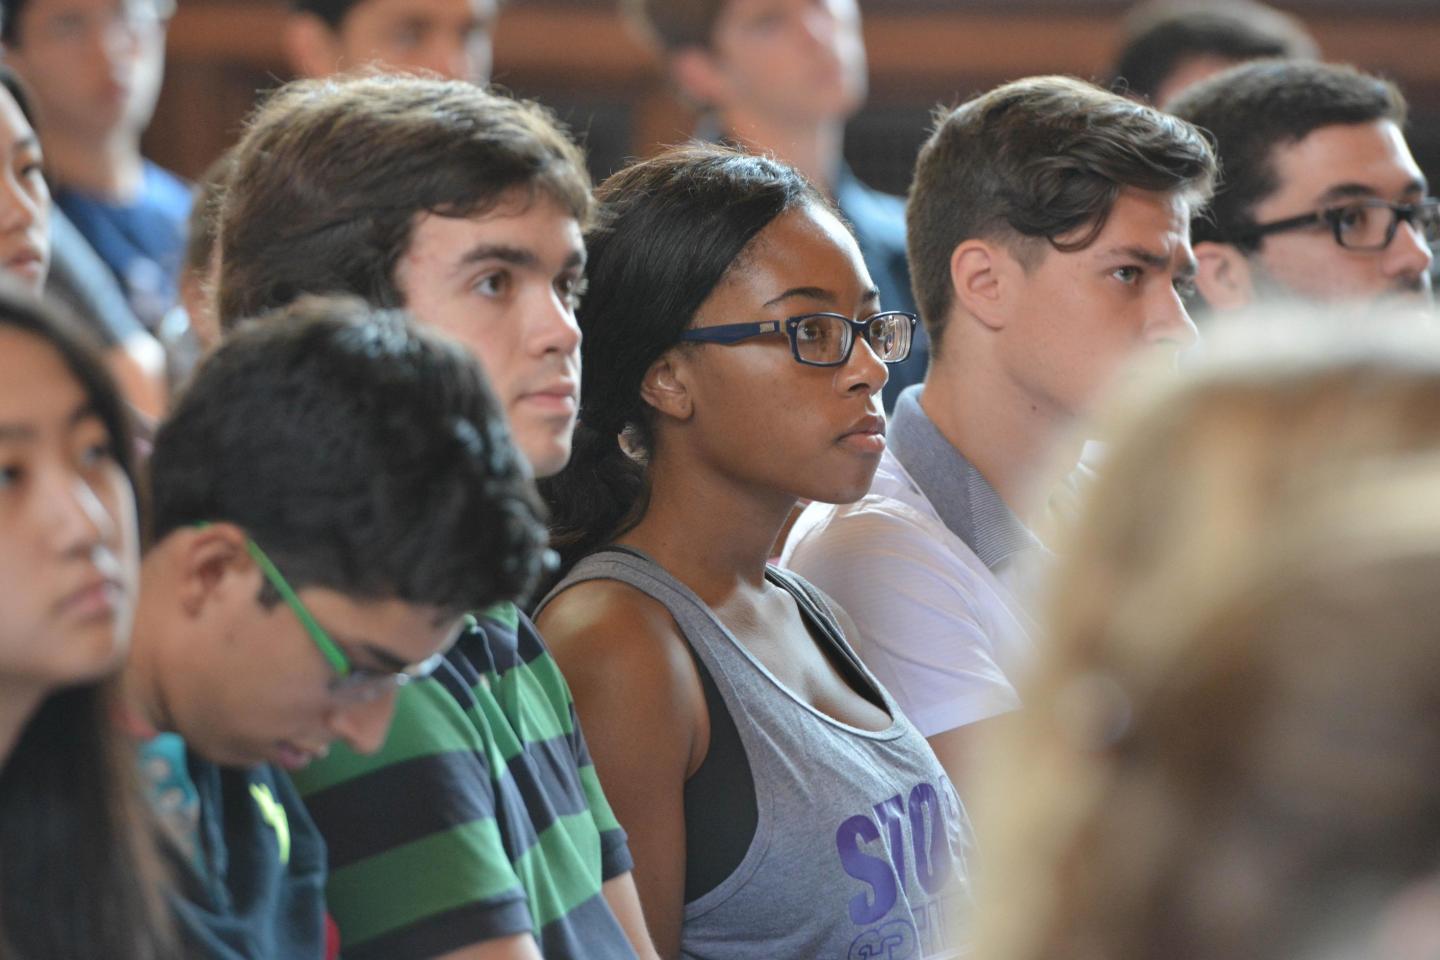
{"type": "Point", "coordinates": [600, 495]}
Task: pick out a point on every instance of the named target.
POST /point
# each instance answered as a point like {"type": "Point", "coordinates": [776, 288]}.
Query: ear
{"type": "Point", "coordinates": [207, 561]}
{"type": "Point", "coordinates": [1223, 276]}
{"type": "Point", "coordinates": [664, 388]}
{"type": "Point", "coordinates": [699, 76]}
{"type": "Point", "coordinates": [311, 47]}
{"type": "Point", "coordinates": [979, 279]}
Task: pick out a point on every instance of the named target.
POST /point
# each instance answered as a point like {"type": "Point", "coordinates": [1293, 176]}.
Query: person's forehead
{"type": "Point", "coordinates": [518, 223]}
{"type": "Point", "coordinates": [1157, 222]}
{"type": "Point", "coordinates": [35, 384]}
{"type": "Point", "coordinates": [1373, 155]}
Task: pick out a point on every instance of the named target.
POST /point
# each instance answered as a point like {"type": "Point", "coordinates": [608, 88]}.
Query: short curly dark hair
{"type": "Point", "coordinates": [1161, 36]}
{"type": "Point", "coordinates": [364, 454]}
{"type": "Point", "coordinates": [1255, 107]}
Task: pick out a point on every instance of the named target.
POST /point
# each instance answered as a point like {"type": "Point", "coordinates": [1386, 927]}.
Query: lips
{"type": "Point", "coordinates": [871, 425]}
{"type": "Point", "coordinates": [560, 395]}
{"type": "Point", "coordinates": [28, 261]}
{"type": "Point", "coordinates": [293, 757]}
{"type": "Point", "coordinates": [866, 435]}
{"type": "Point", "coordinates": [97, 598]}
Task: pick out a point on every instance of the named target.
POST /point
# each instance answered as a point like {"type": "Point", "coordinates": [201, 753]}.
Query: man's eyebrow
{"type": "Point", "coordinates": [819, 293]}
{"type": "Point", "coordinates": [1362, 191]}
{"type": "Point", "coordinates": [1151, 259]}
{"type": "Point", "coordinates": [515, 256]}
{"type": "Point", "coordinates": [386, 659]}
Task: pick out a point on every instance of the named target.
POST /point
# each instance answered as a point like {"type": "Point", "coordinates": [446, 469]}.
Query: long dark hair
{"type": "Point", "coordinates": [670, 229]}
{"type": "Point", "coordinates": [79, 873]}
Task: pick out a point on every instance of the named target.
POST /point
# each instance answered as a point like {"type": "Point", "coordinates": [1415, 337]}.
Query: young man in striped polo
{"type": "Point", "coordinates": [479, 830]}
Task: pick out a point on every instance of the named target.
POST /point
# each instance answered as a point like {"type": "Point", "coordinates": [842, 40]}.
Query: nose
{"type": "Point", "coordinates": [1409, 254]}
{"type": "Point", "coordinates": [1169, 323]}
{"type": "Point", "coordinates": [554, 329]}
{"type": "Point", "coordinates": [78, 520]}
{"type": "Point", "coordinates": [474, 57]}
{"type": "Point", "coordinates": [18, 209]}
{"type": "Point", "coordinates": [447, 58]}
{"type": "Point", "coordinates": [819, 23]}
{"type": "Point", "coordinates": [120, 39]}
{"type": "Point", "coordinates": [864, 371]}
{"type": "Point", "coordinates": [363, 726]}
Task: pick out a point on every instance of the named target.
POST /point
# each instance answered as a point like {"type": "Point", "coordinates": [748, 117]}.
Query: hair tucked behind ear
{"type": "Point", "coordinates": [671, 227]}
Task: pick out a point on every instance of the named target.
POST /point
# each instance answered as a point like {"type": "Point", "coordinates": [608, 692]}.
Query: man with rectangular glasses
{"type": "Point", "coordinates": [1321, 200]}
{"type": "Point", "coordinates": [1037, 273]}
{"type": "Point", "coordinates": [332, 495]}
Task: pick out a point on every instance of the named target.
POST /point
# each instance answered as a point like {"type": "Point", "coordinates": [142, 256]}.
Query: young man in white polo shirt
{"type": "Point", "coordinates": [1048, 233]}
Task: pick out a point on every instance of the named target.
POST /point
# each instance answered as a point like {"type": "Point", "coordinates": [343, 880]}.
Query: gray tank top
{"type": "Point", "coordinates": [860, 846]}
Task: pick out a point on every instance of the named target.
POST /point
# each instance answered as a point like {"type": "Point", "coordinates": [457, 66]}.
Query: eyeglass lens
{"type": "Point", "coordinates": [1371, 226]}
{"type": "Point", "coordinates": [826, 339]}
{"type": "Point", "coordinates": [364, 686]}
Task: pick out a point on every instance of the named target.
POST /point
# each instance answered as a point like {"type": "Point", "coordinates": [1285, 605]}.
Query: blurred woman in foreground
{"type": "Point", "coordinates": [1232, 746]}
{"type": "Point", "coordinates": [78, 875]}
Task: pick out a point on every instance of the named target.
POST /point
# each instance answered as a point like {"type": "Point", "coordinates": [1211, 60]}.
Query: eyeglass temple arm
{"type": "Point", "coordinates": [733, 332]}
{"type": "Point", "coordinates": [332, 653]}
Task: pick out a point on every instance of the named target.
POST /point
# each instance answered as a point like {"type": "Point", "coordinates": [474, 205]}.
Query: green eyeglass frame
{"type": "Point", "coordinates": [350, 682]}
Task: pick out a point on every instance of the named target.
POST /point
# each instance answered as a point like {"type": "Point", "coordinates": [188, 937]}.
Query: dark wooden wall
{"type": "Point", "coordinates": [577, 56]}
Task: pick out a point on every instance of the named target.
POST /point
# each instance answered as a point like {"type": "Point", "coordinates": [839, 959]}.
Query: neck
{"type": "Point", "coordinates": [813, 148]}
{"type": "Point", "coordinates": [18, 702]}
{"type": "Point", "coordinates": [111, 170]}
{"type": "Point", "coordinates": [1005, 434]}
{"type": "Point", "coordinates": [140, 689]}
{"type": "Point", "coordinates": [712, 533]}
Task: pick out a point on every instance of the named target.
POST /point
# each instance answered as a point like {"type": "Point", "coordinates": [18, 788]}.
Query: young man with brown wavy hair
{"type": "Point", "coordinates": [1049, 238]}
{"type": "Point", "coordinates": [479, 831]}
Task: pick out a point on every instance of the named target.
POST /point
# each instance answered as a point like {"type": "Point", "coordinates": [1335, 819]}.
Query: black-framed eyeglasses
{"type": "Point", "coordinates": [823, 339]}
{"type": "Point", "coordinates": [1362, 225]}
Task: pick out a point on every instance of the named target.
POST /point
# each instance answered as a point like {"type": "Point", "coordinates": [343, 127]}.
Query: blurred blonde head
{"type": "Point", "coordinates": [1232, 744]}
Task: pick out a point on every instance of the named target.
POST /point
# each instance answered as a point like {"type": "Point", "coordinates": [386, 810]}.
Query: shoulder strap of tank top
{"type": "Point", "coordinates": [816, 607]}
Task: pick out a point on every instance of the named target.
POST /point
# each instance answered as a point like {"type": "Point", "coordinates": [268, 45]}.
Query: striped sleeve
{"type": "Point", "coordinates": [418, 865]}
{"type": "Point", "coordinates": [615, 859]}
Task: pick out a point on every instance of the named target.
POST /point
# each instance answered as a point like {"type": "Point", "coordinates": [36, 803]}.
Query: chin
{"type": "Point", "coordinates": [548, 460]}
{"type": "Point", "coordinates": [836, 492]}
{"type": "Point", "coordinates": [88, 656]}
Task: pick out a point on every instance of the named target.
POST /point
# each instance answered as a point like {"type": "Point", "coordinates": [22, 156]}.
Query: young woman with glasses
{"type": "Point", "coordinates": [78, 871]}
{"type": "Point", "coordinates": [777, 802]}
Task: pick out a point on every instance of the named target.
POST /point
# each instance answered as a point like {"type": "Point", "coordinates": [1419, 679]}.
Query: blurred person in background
{"type": "Point", "coordinates": [782, 77]}
{"type": "Point", "coordinates": [1231, 746]}
{"type": "Point", "coordinates": [1039, 273]}
{"type": "Point", "coordinates": [200, 279]}
{"type": "Point", "coordinates": [1168, 45]}
{"type": "Point", "coordinates": [1321, 199]}
{"type": "Point", "coordinates": [43, 250]}
{"type": "Point", "coordinates": [94, 68]}
{"type": "Point", "coordinates": [79, 874]}
{"type": "Point", "coordinates": [450, 38]}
